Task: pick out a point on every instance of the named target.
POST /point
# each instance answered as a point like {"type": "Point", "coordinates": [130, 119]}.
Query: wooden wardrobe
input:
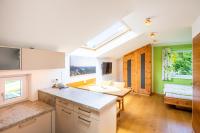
{"type": "Point", "coordinates": [137, 70]}
{"type": "Point", "coordinates": [196, 85]}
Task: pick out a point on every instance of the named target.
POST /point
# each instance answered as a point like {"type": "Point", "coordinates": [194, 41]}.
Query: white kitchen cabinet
{"type": "Point", "coordinates": [33, 59]}
{"type": "Point", "coordinates": [40, 124]}
{"type": "Point", "coordinates": [75, 118]}
{"type": "Point", "coordinates": [64, 120]}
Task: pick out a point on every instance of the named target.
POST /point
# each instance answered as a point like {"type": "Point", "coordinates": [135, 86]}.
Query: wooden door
{"type": "Point", "coordinates": [196, 84]}
{"type": "Point", "coordinates": [140, 70]}
{"type": "Point", "coordinates": [64, 120]}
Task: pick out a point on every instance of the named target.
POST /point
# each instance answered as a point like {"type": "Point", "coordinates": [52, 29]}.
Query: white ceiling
{"type": "Point", "coordinates": [57, 24]}
{"type": "Point", "coordinates": [172, 20]}
{"type": "Point", "coordinates": [65, 25]}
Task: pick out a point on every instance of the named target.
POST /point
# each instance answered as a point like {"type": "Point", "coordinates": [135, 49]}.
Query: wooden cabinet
{"type": "Point", "coordinates": [33, 59]}
{"type": "Point", "coordinates": [74, 118]}
{"type": "Point", "coordinates": [85, 124]}
{"type": "Point", "coordinates": [196, 84]}
{"type": "Point", "coordinates": [64, 120]}
{"type": "Point", "coordinates": [40, 124]}
{"type": "Point", "coordinates": [137, 70]}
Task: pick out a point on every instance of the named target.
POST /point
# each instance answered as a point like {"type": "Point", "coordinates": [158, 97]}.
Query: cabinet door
{"type": "Point", "coordinates": [41, 124]}
{"type": "Point", "coordinates": [64, 120]}
{"type": "Point", "coordinates": [85, 124]}
{"type": "Point", "coordinates": [34, 59]}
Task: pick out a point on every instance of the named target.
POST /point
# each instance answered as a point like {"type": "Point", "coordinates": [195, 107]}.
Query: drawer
{"type": "Point", "coordinates": [85, 111]}
{"type": "Point", "coordinates": [85, 124]}
{"type": "Point", "coordinates": [64, 103]}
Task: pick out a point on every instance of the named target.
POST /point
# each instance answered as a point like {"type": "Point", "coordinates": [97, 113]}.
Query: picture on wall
{"type": "Point", "coordinates": [80, 65]}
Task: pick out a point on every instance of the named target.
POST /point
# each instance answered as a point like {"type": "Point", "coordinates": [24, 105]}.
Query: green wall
{"type": "Point", "coordinates": [158, 83]}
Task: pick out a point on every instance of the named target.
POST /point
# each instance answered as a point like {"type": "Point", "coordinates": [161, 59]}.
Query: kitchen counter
{"type": "Point", "coordinates": [93, 100]}
{"type": "Point", "coordinates": [15, 114]}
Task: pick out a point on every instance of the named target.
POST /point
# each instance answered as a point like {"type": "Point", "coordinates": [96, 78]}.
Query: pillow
{"type": "Point", "coordinates": [119, 84]}
{"type": "Point", "coordinates": [105, 83]}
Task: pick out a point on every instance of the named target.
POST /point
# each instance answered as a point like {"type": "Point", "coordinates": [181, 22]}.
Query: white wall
{"type": "Point", "coordinates": [112, 76]}
{"type": "Point", "coordinates": [196, 27]}
{"type": "Point", "coordinates": [120, 69]}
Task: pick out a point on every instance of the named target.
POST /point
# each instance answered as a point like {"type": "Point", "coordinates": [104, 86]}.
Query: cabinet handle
{"type": "Point", "coordinates": [66, 112]}
{"type": "Point", "coordinates": [84, 120]}
{"type": "Point", "coordinates": [84, 110]}
{"type": "Point", "coordinates": [26, 123]}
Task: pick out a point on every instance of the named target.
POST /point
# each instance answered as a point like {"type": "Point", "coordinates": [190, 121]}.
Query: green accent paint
{"type": "Point", "coordinates": [158, 83]}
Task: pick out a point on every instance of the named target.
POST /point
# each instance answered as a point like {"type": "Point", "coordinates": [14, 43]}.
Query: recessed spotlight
{"type": "Point", "coordinates": [147, 21]}
{"type": "Point", "coordinates": [155, 41]}
{"type": "Point", "coordinates": [152, 34]}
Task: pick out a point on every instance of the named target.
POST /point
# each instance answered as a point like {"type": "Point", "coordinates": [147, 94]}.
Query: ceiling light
{"type": "Point", "coordinates": [147, 21]}
{"type": "Point", "coordinates": [155, 41]}
{"type": "Point", "coordinates": [152, 34]}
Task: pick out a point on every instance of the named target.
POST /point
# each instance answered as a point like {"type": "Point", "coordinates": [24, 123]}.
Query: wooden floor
{"type": "Point", "coordinates": [148, 114]}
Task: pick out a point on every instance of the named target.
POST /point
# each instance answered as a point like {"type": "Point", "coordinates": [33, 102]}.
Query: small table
{"type": "Point", "coordinates": [120, 93]}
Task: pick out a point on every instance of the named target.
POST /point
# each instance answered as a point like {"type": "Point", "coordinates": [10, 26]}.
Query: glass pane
{"type": "Point", "coordinates": [13, 89]}
{"type": "Point", "coordinates": [115, 30]}
{"type": "Point", "coordinates": [129, 73]}
{"type": "Point", "coordinates": [143, 71]}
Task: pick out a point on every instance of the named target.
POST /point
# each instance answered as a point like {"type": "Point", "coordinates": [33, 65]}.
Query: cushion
{"type": "Point", "coordinates": [178, 96]}
{"type": "Point", "coordinates": [178, 89]}
{"type": "Point", "coordinates": [119, 85]}
{"type": "Point", "coordinates": [105, 83]}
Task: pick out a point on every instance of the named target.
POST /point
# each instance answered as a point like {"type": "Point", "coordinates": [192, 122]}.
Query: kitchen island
{"type": "Point", "coordinates": [81, 111]}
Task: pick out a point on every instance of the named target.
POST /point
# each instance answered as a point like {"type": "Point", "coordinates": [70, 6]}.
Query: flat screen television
{"type": "Point", "coordinates": [106, 67]}
{"type": "Point", "coordinates": [10, 58]}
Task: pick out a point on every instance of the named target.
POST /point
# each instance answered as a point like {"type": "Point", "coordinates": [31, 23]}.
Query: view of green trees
{"type": "Point", "coordinates": [182, 62]}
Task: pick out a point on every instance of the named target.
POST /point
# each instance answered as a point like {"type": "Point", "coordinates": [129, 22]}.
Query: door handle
{"type": "Point", "coordinates": [84, 110]}
{"type": "Point", "coordinates": [84, 120]}
{"type": "Point", "coordinates": [69, 113]}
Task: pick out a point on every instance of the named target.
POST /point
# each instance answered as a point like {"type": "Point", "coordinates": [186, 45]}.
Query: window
{"type": "Point", "coordinates": [13, 89]}
{"type": "Point", "coordinates": [109, 34]}
{"type": "Point", "coordinates": [182, 64]}
{"type": "Point", "coordinates": [176, 64]}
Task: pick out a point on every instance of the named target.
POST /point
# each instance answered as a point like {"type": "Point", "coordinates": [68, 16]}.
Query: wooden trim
{"type": "Point", "coordinates": [178, 102]}
{"type": "Point", "coordinates": [82, 83]}
{"type": "Point", "coordinates": [196, 84]}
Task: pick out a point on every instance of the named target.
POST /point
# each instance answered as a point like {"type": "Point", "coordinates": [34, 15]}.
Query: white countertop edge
{"type": "Point", "coordinates": [112, 100]}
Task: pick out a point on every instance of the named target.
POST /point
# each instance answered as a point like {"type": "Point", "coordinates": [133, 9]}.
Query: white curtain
{"type": "Point", "coordinates": [166, 64]}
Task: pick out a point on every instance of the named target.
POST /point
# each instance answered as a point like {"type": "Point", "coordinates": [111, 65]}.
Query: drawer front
{"type": "Point", "coordinates": [86, 112]}
{"type": "Point", "coordinates": [85, 124]}
{"type": "Point", "coordinates": [64, 120]}
{"type": "Point", "coordinates": [64, 103]}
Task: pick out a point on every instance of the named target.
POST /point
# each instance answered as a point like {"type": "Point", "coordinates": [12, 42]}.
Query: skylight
{"type": "Point", "coordinates": [108, 35]}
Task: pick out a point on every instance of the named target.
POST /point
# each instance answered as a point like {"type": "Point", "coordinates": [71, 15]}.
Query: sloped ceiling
{"type": "Point", "coordinates": [61, 25]}
{"type": "Point", "coordinates": [65, 25]}
{"type": "Point", "coordinates": [172, 21]}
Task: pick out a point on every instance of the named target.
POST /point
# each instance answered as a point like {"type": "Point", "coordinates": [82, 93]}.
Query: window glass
{"type": "Point", "coordinates": [109, 34]}
{"type": "Point", "coordinates": [13, 89]}
{"type": "Point", "coordinates": [182, 64]}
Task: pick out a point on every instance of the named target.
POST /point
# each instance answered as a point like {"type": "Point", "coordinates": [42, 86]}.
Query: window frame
{"type": "Point", "coordinates": [110, 38]}
{"type": "Point", "coordinates": [24, 89]}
